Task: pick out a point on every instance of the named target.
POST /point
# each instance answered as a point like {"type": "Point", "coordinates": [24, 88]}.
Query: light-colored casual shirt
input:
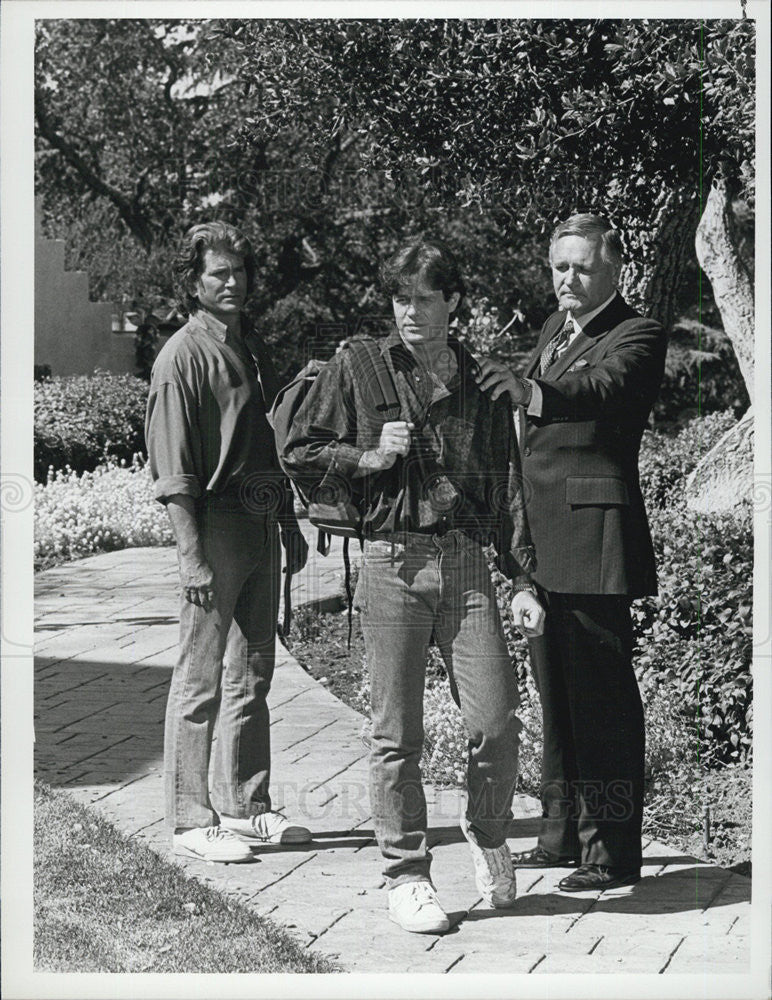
{"type": "Point", "coordinates": [206, 428]}
{"type": "Point", "coordinates": [580, 322]}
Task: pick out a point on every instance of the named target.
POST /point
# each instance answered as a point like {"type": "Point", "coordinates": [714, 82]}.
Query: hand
{"type": "Point", "coordinates": [296, 548]}
{"type": "Point", "coordinates": [197, 582]}
{"type": "Point", "coordinates": [528, 613]}
{"type": "Point", "coordinates": [495, 378]}
{"type": "Point", "coordinates": [395, 440]}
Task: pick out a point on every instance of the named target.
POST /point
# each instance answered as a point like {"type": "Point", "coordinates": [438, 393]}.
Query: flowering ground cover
{"type": "Point", "coordinates": [78, 514]}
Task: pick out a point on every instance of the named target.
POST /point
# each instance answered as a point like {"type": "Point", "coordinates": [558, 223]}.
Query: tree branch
{"type": "Point", "coordinates": [127, 209]}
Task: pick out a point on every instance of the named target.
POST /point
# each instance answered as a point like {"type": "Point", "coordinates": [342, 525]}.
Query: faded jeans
{"type": "Point", "coordinates": [424, 586]}
{"type": "Point", "coordinates": [223, 674]}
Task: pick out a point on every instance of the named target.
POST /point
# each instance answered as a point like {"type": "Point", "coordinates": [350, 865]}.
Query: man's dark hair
{"type": "Point", "coordinates": [189, 262]}
{"type": "Point", "coordinates": [591, 227]}
{"type": "Point", "coordinates": [431, 259]}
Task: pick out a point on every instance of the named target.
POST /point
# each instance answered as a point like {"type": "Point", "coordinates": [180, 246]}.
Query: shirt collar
{"type": "Point", "coordinates": [203, 320]}
{"type": "Point", "coordinates": [580, 322]}
{"type": "Point", "coordinates": [394, 341]}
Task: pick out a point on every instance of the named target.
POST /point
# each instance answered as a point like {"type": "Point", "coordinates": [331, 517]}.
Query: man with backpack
{"type": "Point", "coordinates": [435, 474]}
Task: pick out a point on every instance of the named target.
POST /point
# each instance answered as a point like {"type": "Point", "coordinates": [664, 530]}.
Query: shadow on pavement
{"type": "Point", "coordinates": [693, 888]}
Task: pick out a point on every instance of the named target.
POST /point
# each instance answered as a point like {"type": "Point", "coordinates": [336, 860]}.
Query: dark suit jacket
{"type": "Point", "coordinates": [580, 458]}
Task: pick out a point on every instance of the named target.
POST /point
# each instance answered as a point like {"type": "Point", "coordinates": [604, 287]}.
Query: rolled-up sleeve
{"type": "Point", "coordinates": [171, 433]}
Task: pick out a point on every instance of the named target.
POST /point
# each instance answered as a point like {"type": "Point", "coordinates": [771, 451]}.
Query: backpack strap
{"type": "Point", "coordinates": [349, 595]}
{"type": "Point", "coordinates": [367, 358]}
{"type": "Point", "coordinates": [287, 619]}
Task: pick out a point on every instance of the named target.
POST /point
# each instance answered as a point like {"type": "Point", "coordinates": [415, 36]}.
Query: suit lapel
{"type": "Point", "coordinates": [579, 345]}
{"type": "Point", "coordinates": [616, 311]}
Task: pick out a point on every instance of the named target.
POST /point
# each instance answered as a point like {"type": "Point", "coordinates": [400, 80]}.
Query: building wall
{"type": "Point", "coordinates": [73, 335]}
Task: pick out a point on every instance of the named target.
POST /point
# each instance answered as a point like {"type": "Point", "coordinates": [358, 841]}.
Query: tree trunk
{"type": "Point", "coordinates": [723, 480]}
{"type": "Point", "coordinates": [718, 253]}
{"type": "Point", "coordinates": [662, 242]}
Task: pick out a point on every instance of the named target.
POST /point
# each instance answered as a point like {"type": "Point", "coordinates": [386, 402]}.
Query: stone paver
{"type": "Point", "coordinates": [106, 645]}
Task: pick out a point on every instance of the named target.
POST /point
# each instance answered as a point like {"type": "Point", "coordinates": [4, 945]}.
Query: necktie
{"type": "Point", "coordinates": [554, 345]}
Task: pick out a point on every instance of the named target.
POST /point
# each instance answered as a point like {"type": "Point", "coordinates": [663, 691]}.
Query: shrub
{"type": "Point", "coordinates": [109, 508]}
{"type": "Point", "coordinates": [667, 459]}
{"type": "Point", "coordinates": [82, 419]}
{"type": "Point", "coordinates": [696, 635]}
{"type": "Point", "coordinates": [682, 787]}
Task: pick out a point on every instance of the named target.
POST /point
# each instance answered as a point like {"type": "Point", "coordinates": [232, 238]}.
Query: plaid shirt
{"type": "Point", "coordinates": [463, 468]}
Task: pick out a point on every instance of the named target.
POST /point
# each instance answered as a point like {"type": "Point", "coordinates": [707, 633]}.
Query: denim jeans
{"type": "Point", "coordinates": [419, 587]}
{"type": "Point", "coordinates": [223, 674]}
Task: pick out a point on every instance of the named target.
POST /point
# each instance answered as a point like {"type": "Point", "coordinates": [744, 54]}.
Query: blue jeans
{"type": "Point", "coordinates": [424, 586]}
{"type": "Point", "coordinates": [223, 674]}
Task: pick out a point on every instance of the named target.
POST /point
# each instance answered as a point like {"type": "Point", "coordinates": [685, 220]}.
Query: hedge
{"type": "Point", "coordinates": [80, 420]}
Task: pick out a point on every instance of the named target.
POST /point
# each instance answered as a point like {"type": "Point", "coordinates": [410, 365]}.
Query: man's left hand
{"type": "Point", "coordinates": [494, 377]}
{"type": "Point", "coordinates": [296, 548]}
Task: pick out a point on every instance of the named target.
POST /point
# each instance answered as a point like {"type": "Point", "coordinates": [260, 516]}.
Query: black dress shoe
{"type": "Point", "coordinates": [598, 877]}
{"type": "Point", "coordinates": [537, 857]}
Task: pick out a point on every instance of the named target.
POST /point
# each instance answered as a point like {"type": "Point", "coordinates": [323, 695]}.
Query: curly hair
{"type": "Point", "coordinates": [430, 258]}
{"type": "Point", "coordinates": [189, 262]}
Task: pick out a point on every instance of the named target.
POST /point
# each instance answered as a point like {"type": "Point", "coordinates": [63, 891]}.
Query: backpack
{"type": "Point", "coordinates": [335, 508]}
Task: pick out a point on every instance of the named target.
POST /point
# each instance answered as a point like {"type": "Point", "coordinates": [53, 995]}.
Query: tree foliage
{"type": "Point", "coordinates": [529, 119]}
{"type": "Point", "coordinates": [329, 139]}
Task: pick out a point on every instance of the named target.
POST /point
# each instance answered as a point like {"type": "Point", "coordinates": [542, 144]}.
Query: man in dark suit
{"type": "Point", "coordinates": [588, 389]}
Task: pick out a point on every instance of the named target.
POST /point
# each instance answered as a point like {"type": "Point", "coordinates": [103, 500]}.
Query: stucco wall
{"type": "Point", "coordinates": [72, 334]}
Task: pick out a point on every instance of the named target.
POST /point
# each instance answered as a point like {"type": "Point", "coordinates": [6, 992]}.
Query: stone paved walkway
{"type": "Point", "coordinates": [106, 631]}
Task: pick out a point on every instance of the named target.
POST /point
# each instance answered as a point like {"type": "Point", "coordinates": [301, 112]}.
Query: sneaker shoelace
{"type": "Point", "coordinates": [423, 896]}
{"type": "Point", "coordinates": [494, 861]}
{"type": "Point", "coordinates": [261, 820]}
{"type": "Point", "coordinates": [213, 833]}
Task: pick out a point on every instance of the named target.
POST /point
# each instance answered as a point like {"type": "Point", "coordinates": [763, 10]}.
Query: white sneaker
{"type": "Point", "coordinates": [267, 828]}
{"type": "Point", "coordinates": [415, 907]}
{"type": "Point", "coordinates": [493, 871]}
{"type": "Point", "coordinates": [211, 843]}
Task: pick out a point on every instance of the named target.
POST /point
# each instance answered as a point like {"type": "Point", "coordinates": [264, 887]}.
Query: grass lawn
{"type": "Point", "coordinates": [318, 642]}
{"type": "Point", "coordinates": [106, 903]}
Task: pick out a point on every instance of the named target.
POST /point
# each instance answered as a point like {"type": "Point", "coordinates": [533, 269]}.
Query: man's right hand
{"type": "Point", "coordinates": [528, 613]}
{"type": "Point", "coordinates": [196, 574]}
{"type": "Point", "coordinates": [395, 440]}
{"type": "Point", "coordinates": [197, 583]}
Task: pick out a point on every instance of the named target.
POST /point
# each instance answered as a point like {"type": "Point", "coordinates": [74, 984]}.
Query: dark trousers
{"type": "Point", "coordinates": [593, 760]}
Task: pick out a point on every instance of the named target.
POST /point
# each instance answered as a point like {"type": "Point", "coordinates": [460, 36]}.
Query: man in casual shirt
{"type": "Point", "coordinates": [213, 462]}
{"type": "Point", "coordinates": [591, 383]}
{"type": "Point", "coordinates": [436, 485]}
